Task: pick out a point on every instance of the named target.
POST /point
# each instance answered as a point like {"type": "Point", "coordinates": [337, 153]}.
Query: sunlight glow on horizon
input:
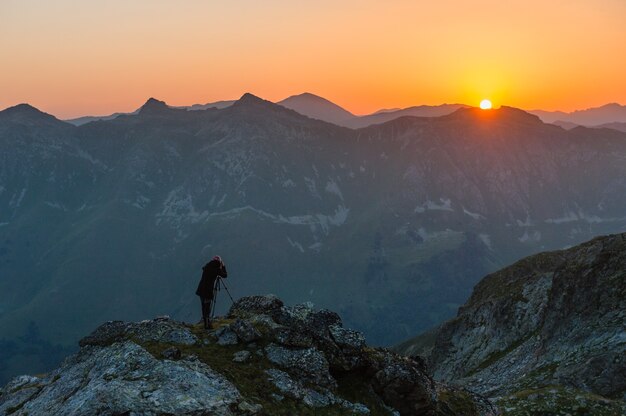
{"type": "Point", "coordinates": [485, 104]}
{"type": "Point", "coordinates": [73, 58]}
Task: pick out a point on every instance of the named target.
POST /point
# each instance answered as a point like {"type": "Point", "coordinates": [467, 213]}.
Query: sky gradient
{"type": "Point", "coordinates": [94, 57]}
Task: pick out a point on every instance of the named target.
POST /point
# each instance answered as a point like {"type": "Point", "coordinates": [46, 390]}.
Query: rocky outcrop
{"type": "Point", "coordinates": [549, 326]}
{"type": "Point", "coordinates": [264, 358]}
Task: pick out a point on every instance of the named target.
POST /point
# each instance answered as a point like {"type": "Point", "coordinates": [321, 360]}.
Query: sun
{"type": "Point", "coordinates": [485, 104]}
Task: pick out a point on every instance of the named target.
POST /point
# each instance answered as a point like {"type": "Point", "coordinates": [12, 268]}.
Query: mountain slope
{"type": "Point", "coordinates": [265, 358]}
{"type": "Point", "coordinates": [88, 119]}
{"type": "Point", "coordinates": [553, 320]}
{"type": "Point", "coordinates": [318, 108]}
{"type": "Point", "coordinates": [114, 220]}
{"type": "Point", "coordinates": [416, 111]}
{"type": "Point", "coordinates": [608, 113]}
{"type": "Point", "coordinates": [621, 126]}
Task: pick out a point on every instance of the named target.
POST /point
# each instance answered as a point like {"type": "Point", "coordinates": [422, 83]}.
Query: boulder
{"type": "Point", "coordinates": [245, 331]}
{"type": "Point", "coordinates": [255, 305]}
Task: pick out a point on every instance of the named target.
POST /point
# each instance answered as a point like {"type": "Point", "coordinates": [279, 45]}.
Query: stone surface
{"type": "Point", "coordinates": [226, 336]}
{"type": "Point", "coordinates": [123, 378]}
{"type": "Point", "coordinates": [347, 338]}
{"type": "Point", "coordinates": [255, 305]}
{"type": "Point", "coordinates": [161, 329]}
{"type": "Point", "coordinates": [241, 356]}
{"type": "Point", "coordinates": [171, 353]}
{"type": "Point", "coordinates": [245, 331]}
{"type": "Point", "coordinates": [310, 363]}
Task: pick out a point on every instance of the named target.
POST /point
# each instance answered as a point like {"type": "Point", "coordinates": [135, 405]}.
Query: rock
{"type": "Point", "coordinates": [255, 305]}
{"type": "Point", "coordinates": [171, 353]}
{"type": "Point", "coordinates": [264, 321]}
{"type": "Point", "coordinates": [306, 319]}
{"type": "Point", "coordinates": [277, 397]}
{"type": "Point", "coordinates": [245, 331]}
{"type": "Point", "coordinates": [402, 384]}
{"type": "Point", "coordinates": [356, 408]}
{"type": "Point", "coordinates": [226, 336]}
{"type": "Point", "coordinates": [292, 338]}
{"type": "Point", "coordinates": [160, 329]}
{"type": "Point", "coordinates": [313, 398]}
{"type": "Point", "coordinates": [296, 390]}
{"type": "Point", "coordinates": [241, 356]}
{"type": "Point", "coordinates": [308, 363]}
{"type": "Point", "coordinates": [285, 383]}
{"type": "Point", "coordinates": [249, 409]}
{"type": "Point", "coordinates": [123, 378]}
{"type": "Point", "coordinates": [180, 336]}
{"type": "Point", "coordinates": [347, 339]}
{"type": "Point", "coordinates": [105, 334]}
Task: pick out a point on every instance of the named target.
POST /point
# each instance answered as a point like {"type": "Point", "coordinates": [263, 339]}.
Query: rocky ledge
{"type": "Point", "coordinates": [263, 358]}
{"type": "Point", "coordinates": [542, 336]}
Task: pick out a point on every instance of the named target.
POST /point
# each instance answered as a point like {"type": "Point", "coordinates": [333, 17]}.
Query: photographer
{"type": "Point", "coordinates": [211, 272]}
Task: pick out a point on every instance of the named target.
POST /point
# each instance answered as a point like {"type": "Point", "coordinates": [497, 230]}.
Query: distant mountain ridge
{"type": "Point", "coordinates": [591, 117]}
{"type": "Point", "coordinates": [316, 107]}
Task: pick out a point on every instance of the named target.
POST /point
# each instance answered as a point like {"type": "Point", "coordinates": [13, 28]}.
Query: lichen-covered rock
{"type": "Point", "coordinates": [309, 363]}
{"type": "Point", "coordinates": [171, 353]}
{"type": "Point", "coordinates": [255, 305]}
{"type": "Point", "coordinates": [161, 329]}
{"type": "Point", "coordinates": [124, 378]}
{"type": "Point", "coordinates": [291, 388]}
{"type": "Point", "coordinates": [307, 319]}
{"type": "Point", "coordinates": [106, 334]}
{"type": "Point", "coordinates": [226, 336]}
{"type": "Point", "coordinates": [292, 338]}
{"type": "Point", "coordinates": [245, 331]}
{"type": "Point", "coordinates": [347, 338]}
{"type": "Point", "coordinates": [403, 384]}
{"type": "Point", "coordinates": [241, 356]}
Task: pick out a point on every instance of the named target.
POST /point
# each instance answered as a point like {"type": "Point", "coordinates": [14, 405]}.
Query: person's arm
{"type": "Point", "coordinates": [223, 271]}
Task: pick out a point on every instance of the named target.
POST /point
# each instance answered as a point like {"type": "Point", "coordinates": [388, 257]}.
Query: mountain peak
{"type": "Point", "coordinates": [251, 101]}
{"type": "Point", "coordinates": [27, 114]}
{"type": "Point", "coordinates": [249, 98]}
{"type": "Point", "coordinates": [317, 107]}
{"type": "Point", "coordinates": [504, 113]}
{"type": "Point", "coordinates": [153, 106]}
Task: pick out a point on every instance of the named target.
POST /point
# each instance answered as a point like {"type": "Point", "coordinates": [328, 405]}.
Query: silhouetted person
{"type": "Point", "coordinates": [211, 271]}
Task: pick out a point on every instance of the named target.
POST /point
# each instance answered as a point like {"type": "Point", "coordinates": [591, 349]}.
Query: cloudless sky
{"type": "Point", "coordinates": [79, 57]}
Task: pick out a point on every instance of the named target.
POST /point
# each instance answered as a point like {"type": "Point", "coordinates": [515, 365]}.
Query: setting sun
{"type": "Point", "coordinates": [485, 104]}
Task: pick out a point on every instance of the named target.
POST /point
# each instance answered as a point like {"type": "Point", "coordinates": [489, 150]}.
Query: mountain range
{"type": "Point", "coordinates": [608, 116]}
{"type": "Point", "coordinates": [391, 225]}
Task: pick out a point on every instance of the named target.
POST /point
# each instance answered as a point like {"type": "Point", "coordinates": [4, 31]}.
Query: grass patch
{"type": "Point", "coordinates": [498, 355]}
{"type": "Point", "coordinates": [456, 402]}
{"type": "Point", "coordinates": [559, 400]}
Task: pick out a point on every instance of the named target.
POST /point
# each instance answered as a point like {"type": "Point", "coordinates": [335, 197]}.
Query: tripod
{"type": "Point", "coordinates": [219, 283]}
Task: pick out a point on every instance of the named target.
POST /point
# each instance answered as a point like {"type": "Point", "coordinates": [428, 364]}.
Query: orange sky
{"type": "Point", "coordinates": [79, 57]}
